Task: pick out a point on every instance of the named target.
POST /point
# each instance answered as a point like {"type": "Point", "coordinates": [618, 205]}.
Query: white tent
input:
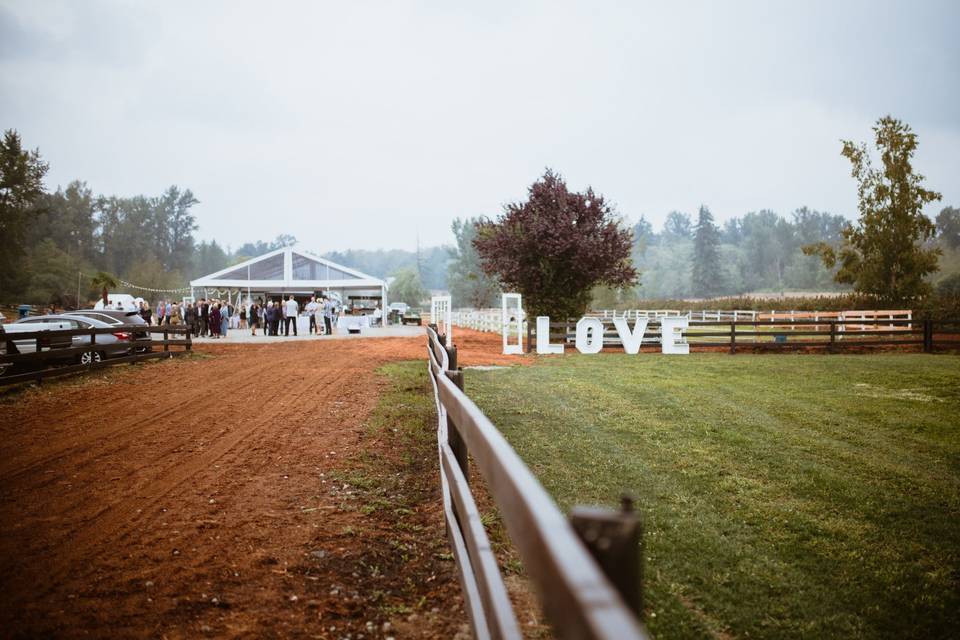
{"type": "Point", "coordinates": [292, 271]}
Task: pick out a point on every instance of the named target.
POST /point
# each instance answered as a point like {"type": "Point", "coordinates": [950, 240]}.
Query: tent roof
{"type": "Point", "coordinates": [289, 268]}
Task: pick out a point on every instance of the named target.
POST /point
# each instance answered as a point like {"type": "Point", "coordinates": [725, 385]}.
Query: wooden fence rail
{"type": "Point", "coordinates": [566, 562]}
{"type": "Point", "coordinates": [42, 362]}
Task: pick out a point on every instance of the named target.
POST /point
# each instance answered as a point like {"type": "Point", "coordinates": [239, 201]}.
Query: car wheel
{"type": "Point", "coordinates": [90, 357]}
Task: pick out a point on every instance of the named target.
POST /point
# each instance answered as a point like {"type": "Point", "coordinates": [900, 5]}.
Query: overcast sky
{"type": "Point", "coordinates": [361, 124]}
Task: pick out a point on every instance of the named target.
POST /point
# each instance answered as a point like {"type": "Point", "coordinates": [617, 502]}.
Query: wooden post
{"type": "Point", "coordinates": [833, 336]}
{"type": "Point", "coordinates": [614, 540]}
{"type": "Point", "coordinates": [452, 357]}
{"type": "Point", "coordinates": [457, 444]}
{"type": "Point", "coordinates": [927, 335]}
{"type": "Point", "coordinates": [189, 334]}
{"type": "Point", "coordinates": [733, 338]}
{"type": "Point", "coordinates": [166, 339]}
{"type": "Point", "coordinates": [529, 336]}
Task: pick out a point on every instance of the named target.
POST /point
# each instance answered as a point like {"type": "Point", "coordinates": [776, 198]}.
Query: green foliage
{"type": "Point", "coordinates": [828, 511]}
{"type": "Point", "coordinates": [555, 247]}
{"type": "Point", "coordinates": [883, 254]}
{"type": "Point", "coordinates": [406, 287]}
{"type": "Point", "coordinates": [104, 281]}
{"type": "Point", "coordinates": [760, 251]}
{"type": "Point", "coordinates": [707, 275]}
{"type": "Point", "coordinates": [21, 186]}
{"type": "Point", "coordinates": [948, 227]}
{"type": "Point", "coordinates": [469, 285]}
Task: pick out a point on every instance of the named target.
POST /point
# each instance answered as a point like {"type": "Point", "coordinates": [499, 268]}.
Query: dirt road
{"type": "Point", "coordinates": [204, 496]}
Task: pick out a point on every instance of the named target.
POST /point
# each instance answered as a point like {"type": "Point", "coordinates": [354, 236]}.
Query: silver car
{"type": "Point", "coordinates": [122, 342]}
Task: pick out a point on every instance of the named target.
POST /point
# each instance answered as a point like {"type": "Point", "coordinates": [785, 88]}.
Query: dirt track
{"type": "Point", "coordinates": [198, 496]}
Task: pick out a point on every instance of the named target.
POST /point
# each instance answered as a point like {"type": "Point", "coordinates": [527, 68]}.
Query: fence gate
{"type": "Point", "coordinates": [511, 320]}
{"type": "Point", "coordinates": [441, 314]}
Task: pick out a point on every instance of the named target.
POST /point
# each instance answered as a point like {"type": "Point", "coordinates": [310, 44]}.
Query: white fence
{"type": "Point", "coordinates": [490, 319]}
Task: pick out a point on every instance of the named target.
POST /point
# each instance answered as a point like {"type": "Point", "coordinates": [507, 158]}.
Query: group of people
{"type": "Point", "coordinates": [322, 313]}
{"type": "Point", "coordinates": [215, 317]}
{"type": "Point", "coordinates": [205, 317]}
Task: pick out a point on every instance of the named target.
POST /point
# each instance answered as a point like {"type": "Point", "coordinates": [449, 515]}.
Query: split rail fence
{"type": "Point", "coordinates": [586, 570]}
{"type": "Point", "coordinates": [45, 361]}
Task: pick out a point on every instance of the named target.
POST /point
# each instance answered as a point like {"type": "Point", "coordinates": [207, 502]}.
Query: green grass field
{"type": "Point", "coordinates": [783, 496]}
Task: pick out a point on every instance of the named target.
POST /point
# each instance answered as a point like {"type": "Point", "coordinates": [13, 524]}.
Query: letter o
{"type": "Point", "coordinates": [589, 335]}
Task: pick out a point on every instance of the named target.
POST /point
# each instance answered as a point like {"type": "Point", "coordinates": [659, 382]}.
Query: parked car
{"type": "Point", "coordinates": [141, 338]}
{"type": "Point", "coordinates": [9, 345]}
{"type": "Point", "coordinates": [121, 342]}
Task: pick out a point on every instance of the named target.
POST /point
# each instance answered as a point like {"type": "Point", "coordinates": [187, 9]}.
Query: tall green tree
{"type": "Point", "coordinates": [555, 247]}
{"type": "Point", "coordinates": [21, 186]}
{"type": "Point", "coordinates": [406, 287]}
{"type": "Point", "coordinates": [948, 226]}
{"type": "Point", "coordinates": [707, 275]}
{"type": "Point", "coordinates": [883, 254]}
{"type": "Point", "coordinates": [469, 285]}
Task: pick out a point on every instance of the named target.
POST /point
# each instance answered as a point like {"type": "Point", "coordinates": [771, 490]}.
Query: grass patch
{"type": "Point", "coordinates": [783, 496]}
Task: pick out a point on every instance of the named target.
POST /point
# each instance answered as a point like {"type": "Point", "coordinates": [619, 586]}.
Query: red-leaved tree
{"type": "Point", "coordinates": [555, 247]}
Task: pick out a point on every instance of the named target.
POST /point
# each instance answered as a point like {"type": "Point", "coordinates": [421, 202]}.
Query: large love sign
{"type": "Point", "coordinates": [590, 335]}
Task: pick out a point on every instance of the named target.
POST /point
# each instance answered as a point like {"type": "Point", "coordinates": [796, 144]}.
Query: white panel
{"type": "Point", "coordinates": [510, 321]}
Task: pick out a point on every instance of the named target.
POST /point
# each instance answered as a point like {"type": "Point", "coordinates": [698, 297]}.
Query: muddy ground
{"type": "Point", "coordinates": [208, 496]}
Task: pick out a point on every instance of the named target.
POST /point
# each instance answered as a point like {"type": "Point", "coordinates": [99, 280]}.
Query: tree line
{"type": "Point", "coordinates": [567, 251]}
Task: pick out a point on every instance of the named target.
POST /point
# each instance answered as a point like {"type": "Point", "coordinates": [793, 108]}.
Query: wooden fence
{"type": "Point", "coordinates": [834, 333]}
{"type": "Point", "coordinates": [43, 362]}
{"type": "Point", "coordinates": [586, 571]}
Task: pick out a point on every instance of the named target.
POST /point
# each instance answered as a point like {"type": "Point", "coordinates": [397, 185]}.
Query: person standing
{"type": "Point", "coordinates": [204, 316]}
{"type": "Point", "coordinates": [318, 317]}
{"type": "Point", "coordinates": [146, 312]}
{"type": "Point", "coordinates": [292, 309]}
{"type": "Point", "coordinates": [254, 318]}
{"type": "Point", "coordinates": [225, 312]}
{"type": "Point", "coordinates": [243, 317]}
{"type": "Point", "coordinates": [190, 318]}
{"type": "Point", "coordinates": [161, 308]}
{"type": "Point", "coordinates": [311, 310]}
{"type": "Point", "coordinates": [328, 315]}
{"type": "Point", "coordinates": [214, 321]}
{"type": "Point", "coordinates": [174, 314]}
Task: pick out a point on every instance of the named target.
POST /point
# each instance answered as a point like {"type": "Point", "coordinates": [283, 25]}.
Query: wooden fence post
{"type": "Point", "coordinates": [733, 338]}
{"type": "Point", "coordinates": [928, 335]}
{"type": "Point", "coordinates": [614, 540]}
{"type": "Point", "coordinates": [457, 444]}
{"type": "Point", "coordinates": [833, 336]}
{"type": "Point", "coordinates": [529, 336]}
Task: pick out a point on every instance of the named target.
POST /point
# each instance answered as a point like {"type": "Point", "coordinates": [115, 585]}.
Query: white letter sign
{"type": "Point", "coordinates": [669, 330]}
{"type": "Point", "coordinates": [631, 339]}
{"type": "Point", "coordinates": [543, 337]}
{"type": "Point", "coordinates": [589, 335]}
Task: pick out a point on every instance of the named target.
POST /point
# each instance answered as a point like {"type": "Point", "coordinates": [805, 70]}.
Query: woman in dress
{"type": "Point", "coordinates": [215, 321]}
{"type": "Point", "coordinates": [224, 320]}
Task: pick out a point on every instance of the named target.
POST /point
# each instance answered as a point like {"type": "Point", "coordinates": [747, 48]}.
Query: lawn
{"type": "Point", "coordinates": [783, 496]}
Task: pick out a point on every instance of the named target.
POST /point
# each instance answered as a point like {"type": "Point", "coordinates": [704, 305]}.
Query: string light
{"type": "Point", "coordinates": [130, 285]}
